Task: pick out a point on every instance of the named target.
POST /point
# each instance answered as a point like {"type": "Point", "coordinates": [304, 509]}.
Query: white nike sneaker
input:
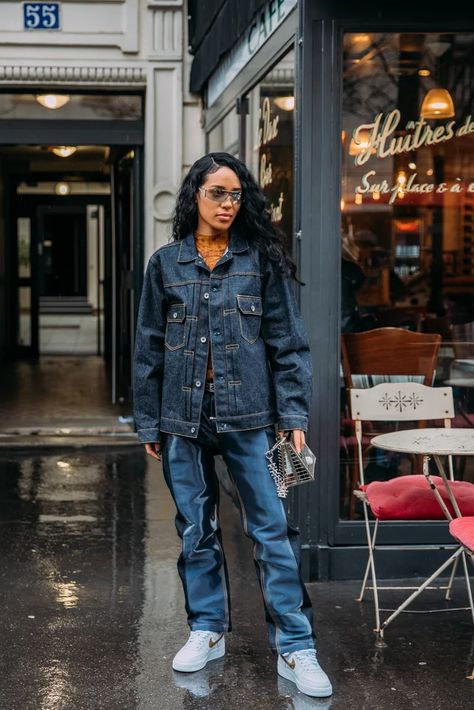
{"type": "Point", "coordinates": [303, 669]}
{"type": "Point", "coordinates": [201, 647]}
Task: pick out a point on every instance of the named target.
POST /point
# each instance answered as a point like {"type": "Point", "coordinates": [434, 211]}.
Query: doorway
{"type": "Point", "coordinates": [73, 241]}
{"type": "Point", "coordinates": [63, 258]}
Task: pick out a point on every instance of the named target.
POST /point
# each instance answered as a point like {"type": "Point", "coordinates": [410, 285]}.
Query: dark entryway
{"type": "Point", "coordinates": [63, 258]}
{"type": "Point", "coordinates": [71, 204]}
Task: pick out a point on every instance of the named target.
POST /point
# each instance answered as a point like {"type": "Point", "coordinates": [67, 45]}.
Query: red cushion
{"type": "Point", "coordinates": [411, 498]}
{"type": "Point", "coordinates": [463, 530]}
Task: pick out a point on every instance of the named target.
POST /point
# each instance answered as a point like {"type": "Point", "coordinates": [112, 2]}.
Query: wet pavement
{"type": "Point", "coordinates": [92, 606]}
{"type": "Point", "coordinates": [58, 395]}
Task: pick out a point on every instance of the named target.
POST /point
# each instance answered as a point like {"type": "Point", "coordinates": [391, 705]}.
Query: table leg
{"type": "Point", "coordinates": [442, 473]}
{"type": "Point", "coordinates": [427, 474]}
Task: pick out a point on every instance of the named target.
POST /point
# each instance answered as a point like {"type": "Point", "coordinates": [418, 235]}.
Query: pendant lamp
{"type": "Point", "coordinates": [437, 104]}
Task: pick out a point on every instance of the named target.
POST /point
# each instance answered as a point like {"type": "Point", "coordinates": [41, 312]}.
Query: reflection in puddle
{"type": "Point", "coordinates": [202, 683]}
{"type": "Point", "coordinates": [66, 594]}
{"type": "Point", "coordinates": [56, 683]}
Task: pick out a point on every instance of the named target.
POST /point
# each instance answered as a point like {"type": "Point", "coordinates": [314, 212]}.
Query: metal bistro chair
{"type": "Point", "coordinates": [384, 355]}
{"type": "Point", "coordinates": [462, 529]}
{"type": "Point", "coordinates": [406, 497]}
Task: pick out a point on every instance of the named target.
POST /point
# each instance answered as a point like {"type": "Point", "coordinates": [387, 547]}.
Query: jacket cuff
{"type": "Point", "coordinates": [292, 421]}
{"type": "Point", "coordinates": [148, 436]}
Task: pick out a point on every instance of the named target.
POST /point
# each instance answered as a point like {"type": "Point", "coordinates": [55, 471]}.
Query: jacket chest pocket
{"type": "Point", "coordinates": [250, 316]}
{"type": "Point", "coordinates": [175, 326]}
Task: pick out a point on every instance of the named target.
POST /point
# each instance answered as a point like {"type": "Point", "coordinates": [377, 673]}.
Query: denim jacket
{"type": "Point", "coordinates": [245, 311]}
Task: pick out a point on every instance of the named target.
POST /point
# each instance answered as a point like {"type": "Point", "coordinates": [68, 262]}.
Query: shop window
{"type": "Point", "coordinates": [270, 141]}
{"type": "Point", "coordinates": [407, 203]}
{"type": "Point", "coordinates": [225, 135]}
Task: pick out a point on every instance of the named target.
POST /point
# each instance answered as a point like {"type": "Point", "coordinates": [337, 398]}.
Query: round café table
{"type": "Point", "coordinates": [433, 443]}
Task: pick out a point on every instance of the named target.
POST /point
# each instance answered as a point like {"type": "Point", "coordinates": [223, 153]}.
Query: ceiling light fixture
{"type": "Point", "coordinates": [362, 143]}
{"type": "Point", "coordinates": [62, 188]}
{"type": "Point", "coordinates": [437, 104]}
{"type": "Point", "coordinates": [63, 151]}
{"type": "Point", "coordinates": [286, 103]}
{"type": "Point", "coordinates": [53, 101]}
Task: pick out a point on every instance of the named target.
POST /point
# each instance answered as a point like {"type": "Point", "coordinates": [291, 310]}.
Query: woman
{"type": "Point", "coordinates": [222, 357]}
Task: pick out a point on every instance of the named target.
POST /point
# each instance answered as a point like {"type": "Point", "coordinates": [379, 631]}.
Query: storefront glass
{"type": "Point", "coordinates": [270, 141]}
{"type": "Point", "coordinates": [407, 202]}
{"type": "Point", "coordinates": [225, 135]}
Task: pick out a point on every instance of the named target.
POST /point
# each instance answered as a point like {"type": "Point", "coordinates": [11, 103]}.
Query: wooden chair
{"type": "Point", "coordinates": [384, 355]}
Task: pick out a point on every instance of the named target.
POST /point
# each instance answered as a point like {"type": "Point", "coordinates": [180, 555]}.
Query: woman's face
{"type": "Point", "coordinates": [216, 207]}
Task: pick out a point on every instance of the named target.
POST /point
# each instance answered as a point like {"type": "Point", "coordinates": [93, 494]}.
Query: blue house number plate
{"type": "Point", "coordinates": [41, 16]}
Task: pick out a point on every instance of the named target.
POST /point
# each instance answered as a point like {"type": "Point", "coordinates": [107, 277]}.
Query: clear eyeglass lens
{"type": "Point", "coordinates": [217, 195]}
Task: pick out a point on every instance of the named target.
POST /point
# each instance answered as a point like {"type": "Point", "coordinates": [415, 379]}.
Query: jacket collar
{"type": "Point", "coordinates": [188, 251]}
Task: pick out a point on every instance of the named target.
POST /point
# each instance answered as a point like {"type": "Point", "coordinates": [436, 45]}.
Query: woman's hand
{"type": "Point", "coordinates": [154, 450]}
{"type": "Point", "coordinates": [298, 437]}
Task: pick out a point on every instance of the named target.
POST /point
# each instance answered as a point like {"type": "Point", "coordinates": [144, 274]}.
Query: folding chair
{"type": "Point", "coordinates": [408, 497]}
{"type": "Point", "coordinates": [463, 530]}
{"type": "Point", "coordinates": [385, 355]}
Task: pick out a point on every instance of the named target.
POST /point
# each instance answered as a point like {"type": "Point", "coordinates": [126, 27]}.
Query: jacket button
{"type": "Point", "coordinates": [198, 383]}
{"type": "Point", "coordinates": [206, 295]}
{"type": "Point", "coordinates": [252, 307]}
{"type": "Point", "coordinates": [175, 315]}
{"type": "Point", "coordinates": [193, 429]}
{"type": "Point", "coordinates": [203, 339]}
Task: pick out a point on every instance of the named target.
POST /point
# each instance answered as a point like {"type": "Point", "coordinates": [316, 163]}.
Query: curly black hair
{"type": "Point", "coordinates": [252, 220]}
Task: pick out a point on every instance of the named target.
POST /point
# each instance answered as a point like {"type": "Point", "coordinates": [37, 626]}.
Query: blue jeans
{"type": "Point", "coordinates": [190, 475]}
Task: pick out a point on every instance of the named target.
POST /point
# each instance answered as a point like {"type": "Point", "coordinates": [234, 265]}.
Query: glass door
{"type": "Point", "coordinates": [126, 267]}
{"type": "Point", "coordinates": [26, 301]}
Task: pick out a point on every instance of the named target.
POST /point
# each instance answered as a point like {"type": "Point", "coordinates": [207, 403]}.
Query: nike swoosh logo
{"type": "Point", "coordinates": [214, 643]}
{"type": "Point", "coordinates": [291, 663]}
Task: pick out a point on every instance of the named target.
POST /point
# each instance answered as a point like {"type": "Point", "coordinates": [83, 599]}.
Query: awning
{"type": "Point", "coordinates": [214, 27]}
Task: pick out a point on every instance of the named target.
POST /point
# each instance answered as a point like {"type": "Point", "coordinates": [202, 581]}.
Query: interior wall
{"type": "Point", "coordinates": [3, 269]}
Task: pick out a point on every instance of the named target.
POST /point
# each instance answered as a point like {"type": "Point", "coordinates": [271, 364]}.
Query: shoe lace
{"type": "Point", "coordinates": [198, 638]}
{"type": "Point", "coordinates": [307, 659]}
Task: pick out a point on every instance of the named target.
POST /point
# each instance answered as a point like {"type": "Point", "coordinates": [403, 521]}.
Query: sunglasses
{"type": "Point", "coordinates": [217, 194]}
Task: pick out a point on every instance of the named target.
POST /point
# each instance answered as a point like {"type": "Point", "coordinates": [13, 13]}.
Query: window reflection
{"type": "Point", "coordinates": [407, 202]}
{"type": "Point", "coordinates": [270, 141]}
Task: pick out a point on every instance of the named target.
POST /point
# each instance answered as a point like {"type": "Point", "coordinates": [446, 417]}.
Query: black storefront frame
{"type": "Point", "coordinates": [332, 548]}
{"type": "Point", "coordinates": [335, 548]}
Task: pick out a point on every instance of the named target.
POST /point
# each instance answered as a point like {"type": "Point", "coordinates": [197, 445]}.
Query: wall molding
{"type": "Point", "coordinates": [73, 74]}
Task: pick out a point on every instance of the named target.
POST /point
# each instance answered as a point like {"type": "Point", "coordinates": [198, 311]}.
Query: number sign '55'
{"type": "Point", "coordinates": [41, 16]}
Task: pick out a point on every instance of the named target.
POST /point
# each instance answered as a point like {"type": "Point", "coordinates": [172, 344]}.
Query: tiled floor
{"type": "Point", "coordinates": [70, 334]}
{"type": "Point", "coordinates": [58, 391]}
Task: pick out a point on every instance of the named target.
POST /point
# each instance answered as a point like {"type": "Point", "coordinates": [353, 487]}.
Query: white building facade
{"type": "Point", "coordinates": [117, 44]}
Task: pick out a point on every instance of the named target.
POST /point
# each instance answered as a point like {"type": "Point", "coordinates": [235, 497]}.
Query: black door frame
{"type": "Point", "coordinates": [127, 260]}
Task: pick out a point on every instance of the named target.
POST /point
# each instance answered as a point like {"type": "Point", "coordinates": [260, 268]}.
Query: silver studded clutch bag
{"type": "Point", "coordinates": [288, 467]}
